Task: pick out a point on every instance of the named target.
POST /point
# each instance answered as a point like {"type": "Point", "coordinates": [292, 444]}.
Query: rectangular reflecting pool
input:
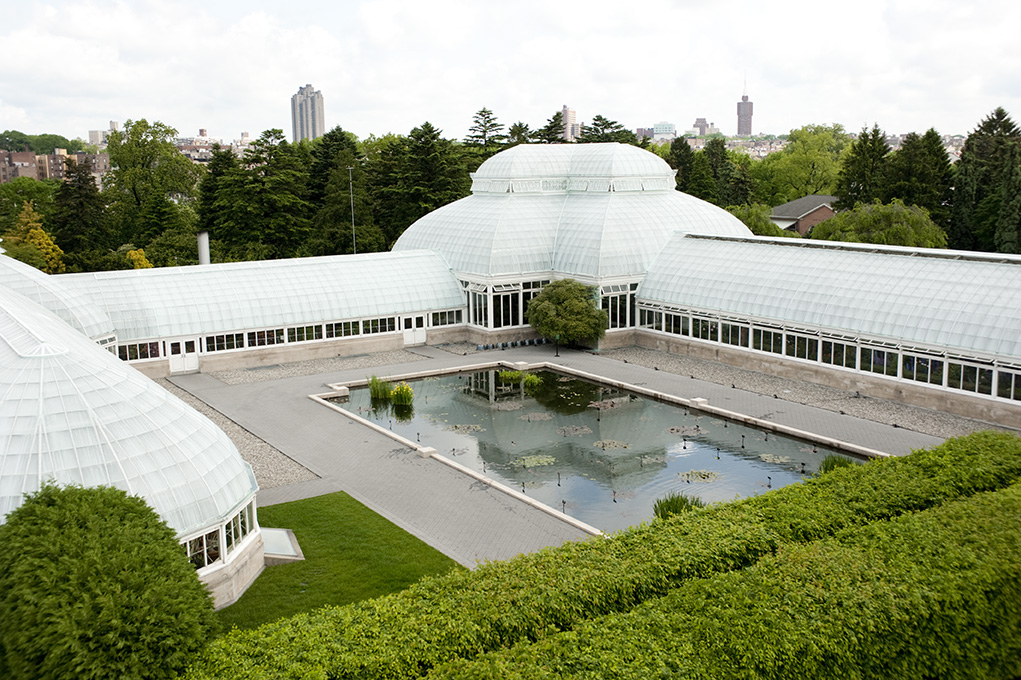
{"type": "Point", "coordinates": [597, 453]}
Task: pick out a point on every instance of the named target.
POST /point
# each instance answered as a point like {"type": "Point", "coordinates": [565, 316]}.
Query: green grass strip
{"type": "Point", "coordinates": [351, 554]}
{"type": "Point", "coordinates": [498, 605]}
{"type": "Point", "coordinates": [936, 594]}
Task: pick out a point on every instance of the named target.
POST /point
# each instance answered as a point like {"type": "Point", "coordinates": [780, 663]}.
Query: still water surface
{"type": "Point", "coordinates": [598, 453]}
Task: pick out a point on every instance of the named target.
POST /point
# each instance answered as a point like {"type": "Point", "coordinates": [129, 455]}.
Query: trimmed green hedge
{"type": "Point", "coordinates": [930, 595]}
{"type": "Point", "coordinates": [533, 596]}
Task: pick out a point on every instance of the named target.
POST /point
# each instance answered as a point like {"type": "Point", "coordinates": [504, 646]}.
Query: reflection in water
{"type": "Point", "coordinates": [596, 451]}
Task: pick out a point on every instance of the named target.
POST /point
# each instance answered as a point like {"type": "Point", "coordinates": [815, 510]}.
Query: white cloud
{"type": "Point", "coordinates": [388, 65]}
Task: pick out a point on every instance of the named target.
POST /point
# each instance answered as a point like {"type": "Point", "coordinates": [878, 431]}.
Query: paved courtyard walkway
{"type": "Point", "coordinates": [463, 518]}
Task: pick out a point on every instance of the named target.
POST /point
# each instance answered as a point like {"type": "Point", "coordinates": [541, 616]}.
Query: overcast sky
{"type": "Point", "coordinates": [389, 65]}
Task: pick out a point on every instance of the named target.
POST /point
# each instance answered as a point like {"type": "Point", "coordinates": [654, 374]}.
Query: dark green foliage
{"type": "Point", "coordinates": [485, 131]}
{"type": "Point", "coordinates": [331, 232]}
{"type": "Point", "coordinates": [325, 153]}
{"type": "Point", "coordinates": [895, 224]}
{"type": "Point", "coordinates": [14, 195]}
{"type": "Point", "coordinates": [927, 595]}
{"type": "Point", "coordinates": [605, 130]}
{"type": "Point", "coordinates": [862, 174]}
{"type": "Point", "coordinates": [1007, 235]}
{"type": "Point", "coordinates": [535, 596]}
{"type": "Point", "coordinates": [675, 503]}
{"type": "Point", "coordinates": [212, 216]}
{"type": "Point", "coordinates": [832, 462]}
{"type": "Point", "coordinates": [147, 171]}
{"type": "Point", "coordinates": [984, 170]}
{"type": "Point", "coordinates": [553, 131]}
{"type": "Point", "coordinates": [519, 133]}
{"type": "Point", "coordinates": [701, 183]}
{"type": "Point", "coordinates": [756, 217]}
{"type": "Point", "coordinates": [919, 173]}
{"type": "Point", "coordinates": [730, 171]}
{"type": "Point", "coordinates": [565, 312]}
{"type": "Point", "coordinates": [93, 584]}
{"type": "Point", "coordinates": [260, 205]}
{"type": "Point", "coordinates": [44, 144]}
{"type": "Point", "coordinates": [79, 220]}
{"type": "Point", "coordinates": [412, 176]}
{"type": "Point", "coordinates": [681, 158]}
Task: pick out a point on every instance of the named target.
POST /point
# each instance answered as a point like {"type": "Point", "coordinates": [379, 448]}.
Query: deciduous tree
{"type": "Point", "coordinates": [808, 164]}
{"type": "Point", "coordinates": [565, 311]}
{"type": "Point", "coordinates": [894, 224]}
{"type": "Point", "coordinates": [756, 217]}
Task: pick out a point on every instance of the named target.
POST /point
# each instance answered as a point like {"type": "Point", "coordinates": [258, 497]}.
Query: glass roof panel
{"type": "Point", "coordinates": [915, 297]}
{"type": "Point", "coordinates": [205, 299]}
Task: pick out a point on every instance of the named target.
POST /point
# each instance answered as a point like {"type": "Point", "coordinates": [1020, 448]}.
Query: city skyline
{"type": "Point", "coordinates": [391, 65]}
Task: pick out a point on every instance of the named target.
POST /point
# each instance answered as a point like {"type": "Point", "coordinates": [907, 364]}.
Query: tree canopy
{"type": "Point", "coordinates": [565, 311]}
{"type": "Point", "coordinates": [605, 130]}
{"type": "Point", "coordinates": [894, 224]}
{"type": "Point", "coordinates": [553, 131]}
{"type": "Point", "coordinates": [808, 164]}
{"type": "Point", "coordinates": [93, 584]}
{"type": "Point", "coordinates": [862, 175]}
{"type": "Point", "coordinates": [984, 176]}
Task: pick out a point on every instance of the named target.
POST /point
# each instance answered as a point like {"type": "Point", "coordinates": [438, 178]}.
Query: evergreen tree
{"type": "Point", "coordinates": [1008, 223]}
{"type": "Point", "coordinates": [862, 173]}
{"type": "Point", "coordinates": [681, 158]}
{"type": "Point", "coordinates": [984, 167]}
{"type": "Point", "coordinates": [605, 130]}
{"type": "Point", "coordinates": [919, 173]}
{"type": "Point", "coordinates": [485, 130]}
{"type": "Point", "coordinates": [412, 176]}
{"type": "Point", "coordinates": [223, 162]}
{"type": "Point", "coordinates": [733, 181]}
{"type": "Point", "coordinates": [79, 215]}
{"type": "Point", "coordinates": [331, 227]}
{"type": "Point", "coordinates": [519, 133]}
{"type": "Point", "coordinates": [701, 183]}
{"type": "Point", "coordinates": [553, 131]}
{"type": "Point", "coordinates": [324, 154]}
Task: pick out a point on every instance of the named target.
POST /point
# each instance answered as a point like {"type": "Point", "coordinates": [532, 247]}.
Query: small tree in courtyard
{"type": "Point", "coordinates": [93, 584]}
{"type": "Point", "coordinates": [565, 312]}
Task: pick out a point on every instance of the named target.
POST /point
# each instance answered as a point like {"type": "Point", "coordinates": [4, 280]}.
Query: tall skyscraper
{"type": "Point", "coordinates": [744, 117]}
{"type": "Point", "coordinates": [307, 114]}
{"type": "Point", "coordinates": [571, 127]}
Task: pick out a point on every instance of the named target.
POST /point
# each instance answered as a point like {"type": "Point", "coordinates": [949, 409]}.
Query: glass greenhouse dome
{"type": "Point", "coordinates": [72, 413]}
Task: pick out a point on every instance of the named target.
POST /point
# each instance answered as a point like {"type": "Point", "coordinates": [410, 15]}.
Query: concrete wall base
{"type": "Point", "coordinates": [228, 582]}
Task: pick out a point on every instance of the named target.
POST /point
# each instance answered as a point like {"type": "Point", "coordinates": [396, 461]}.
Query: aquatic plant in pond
{"type": "Point", "coordinates": [830, 463]}
{"type": "Point", "coordinates": [597, 452]}
{"type": "Point", "coordinates": [402, 394]}
{"type": "Point", "coordinates": [675, 503]}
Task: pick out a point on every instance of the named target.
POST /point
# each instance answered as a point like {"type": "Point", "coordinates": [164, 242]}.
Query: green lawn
{"type": "Point", "coordinates": [351, 554]}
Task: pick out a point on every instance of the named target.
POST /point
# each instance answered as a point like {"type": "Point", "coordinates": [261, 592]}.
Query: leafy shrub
{"type": "Point", "coordinates": [675, 503]}
{"type": "Point", "coordinates": [533, 596]}
{"type": "Point", "coordinates": [927, 595]}
{"type": "Point", "coordinates": [93, 584]}
{"type": "Point", "coordinates": [832, 462]}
